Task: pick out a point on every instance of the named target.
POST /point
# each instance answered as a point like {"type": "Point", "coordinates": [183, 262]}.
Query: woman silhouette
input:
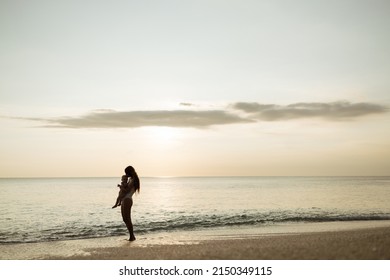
{"type": "Point", "coordinates": [127, 200]}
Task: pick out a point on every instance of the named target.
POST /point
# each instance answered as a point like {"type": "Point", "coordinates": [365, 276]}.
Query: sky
{"type": "Point", "coordinates": [194, 88]}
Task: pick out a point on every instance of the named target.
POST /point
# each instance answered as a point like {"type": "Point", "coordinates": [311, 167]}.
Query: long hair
{"type": "Point", "coordinates": [130, 171]}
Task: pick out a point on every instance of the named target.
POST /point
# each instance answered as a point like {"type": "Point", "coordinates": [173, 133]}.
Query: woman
{"type": "Point", "coordinates": [127, 201]}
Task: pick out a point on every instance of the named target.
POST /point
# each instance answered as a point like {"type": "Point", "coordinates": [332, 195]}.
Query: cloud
{"type": "Point", "coordinates": [239, 112]}
{"type": "Point", "coordinates": [342, 110]}
{"type": "Point", "coordinates": [132, 119]}
{"type": "Point", "coordinates": [186, 104]}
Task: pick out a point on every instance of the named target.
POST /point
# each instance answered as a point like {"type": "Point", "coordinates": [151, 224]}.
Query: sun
{"type": "Point", "coordinates": [164, 134]}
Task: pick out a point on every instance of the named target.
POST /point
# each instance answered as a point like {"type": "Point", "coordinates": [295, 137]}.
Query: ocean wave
{"type": "Point", "coordinates": [176, 221]}
{"type": "Point", "coordinates": [208, 221]}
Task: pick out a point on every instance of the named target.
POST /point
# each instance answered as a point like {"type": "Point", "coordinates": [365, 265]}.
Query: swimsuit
{"type": "Point", "coordinates": [129, 194]}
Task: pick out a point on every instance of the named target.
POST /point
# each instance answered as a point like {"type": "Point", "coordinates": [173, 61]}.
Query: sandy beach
{"type": "Point", "coordinates": [324, 241]}
{"type": "Point", "coordinates": [357, 244]}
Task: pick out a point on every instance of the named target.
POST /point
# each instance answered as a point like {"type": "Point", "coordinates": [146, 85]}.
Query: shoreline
{"type": "Point", "coordinates": [310, 241]}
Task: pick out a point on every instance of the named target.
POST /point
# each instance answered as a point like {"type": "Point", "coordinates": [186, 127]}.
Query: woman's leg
{"type": "Point", "coordinates": [126, 216]}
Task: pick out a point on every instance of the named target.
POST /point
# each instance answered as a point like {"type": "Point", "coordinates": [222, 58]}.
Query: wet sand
{"type": "Point", "coordinates": [333, 241]}
{"type": "Point", "coordinates": [365, 244]}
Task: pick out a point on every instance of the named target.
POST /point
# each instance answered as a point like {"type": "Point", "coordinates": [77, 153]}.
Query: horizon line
{"type": "Point", "coordinates": [193, 176]}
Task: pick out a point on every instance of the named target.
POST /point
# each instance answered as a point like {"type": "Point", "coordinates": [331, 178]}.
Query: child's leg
{"type": "Point", "coordinates": [117, 203]}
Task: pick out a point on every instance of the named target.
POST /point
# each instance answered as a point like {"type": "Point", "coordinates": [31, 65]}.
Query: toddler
{"type": "Point", "coordinates": [123, 189]}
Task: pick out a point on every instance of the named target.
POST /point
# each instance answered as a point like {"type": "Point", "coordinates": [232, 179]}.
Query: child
{"type": "Point", "coordinates": [122, 191]}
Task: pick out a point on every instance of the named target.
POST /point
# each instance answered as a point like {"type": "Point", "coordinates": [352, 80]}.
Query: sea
{"type": "Point", "coordinates": [55, 209]}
